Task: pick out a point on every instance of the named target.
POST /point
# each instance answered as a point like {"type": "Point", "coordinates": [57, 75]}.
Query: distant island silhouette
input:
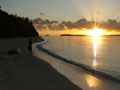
{"type": "Point", "coordinates": [12, 26]}
{"type": "Point", "coordinates": [71, 35]}
{"type": "Point", "coordinates": [84, 35]}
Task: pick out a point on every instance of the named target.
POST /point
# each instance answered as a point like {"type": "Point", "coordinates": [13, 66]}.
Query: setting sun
{"type": "Point", "coordinates": [96, 32]}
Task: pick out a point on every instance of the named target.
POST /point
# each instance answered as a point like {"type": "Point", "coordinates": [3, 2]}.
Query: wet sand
{"type": "Point", "coordinates": [26, 72]}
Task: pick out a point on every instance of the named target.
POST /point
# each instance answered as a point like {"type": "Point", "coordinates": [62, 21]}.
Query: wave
{"type": "Point", "coordinates": [85, 67]}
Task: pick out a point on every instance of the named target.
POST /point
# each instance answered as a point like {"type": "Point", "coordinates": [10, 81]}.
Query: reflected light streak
{"type": "Point", "coordinates": [92, 81]}
{"type": "Point", "coordinates": [95, 47]}
{"type": "Point", "coordinates": [96, 43]}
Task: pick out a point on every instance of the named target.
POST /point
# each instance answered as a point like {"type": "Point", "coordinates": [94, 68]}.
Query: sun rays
{"type": "Point", "coordinates": [96, 32]}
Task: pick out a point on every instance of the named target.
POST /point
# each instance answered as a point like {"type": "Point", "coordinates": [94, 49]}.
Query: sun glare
{"type": "Point", "coordinates": [96, 32]}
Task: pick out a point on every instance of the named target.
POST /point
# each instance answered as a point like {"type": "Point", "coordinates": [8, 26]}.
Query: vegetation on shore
{"type": "Point", "coordinates": [12, 26]}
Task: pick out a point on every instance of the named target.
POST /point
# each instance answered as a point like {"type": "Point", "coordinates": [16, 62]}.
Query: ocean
{"type": "Point", "coordinates": [100, 55]}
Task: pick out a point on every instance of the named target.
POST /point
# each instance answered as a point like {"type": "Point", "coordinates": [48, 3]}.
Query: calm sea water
{"type": "Point", "coordinates": [100, 53]}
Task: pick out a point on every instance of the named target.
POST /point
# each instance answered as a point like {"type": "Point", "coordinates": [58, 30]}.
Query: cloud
{"type": "Point", "coordinates": [46, 24]}
{"type": "Point", "coordinates": [98, 12]}
{"type": "Point", "coordinates": [110, 25]}
{"type": "Point", "coordinates": [42, 14]}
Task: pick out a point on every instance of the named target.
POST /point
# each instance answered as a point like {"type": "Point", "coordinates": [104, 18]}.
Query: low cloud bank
{"type": "Point", "coordinates": [46, 24]}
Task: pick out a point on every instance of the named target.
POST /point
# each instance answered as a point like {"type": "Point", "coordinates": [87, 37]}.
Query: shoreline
{"type": "Point", "coordinates": [85, 67]}
{"type": "Point", "coordinates": [80, 77]}
{"type": "Point", "coordinates": [25, 72]}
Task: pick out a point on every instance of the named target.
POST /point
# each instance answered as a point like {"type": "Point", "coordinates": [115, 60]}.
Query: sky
{"type": "Point", "coordinates": [52, 15]}
{"type": "Point", "coordinates": [60, 10]}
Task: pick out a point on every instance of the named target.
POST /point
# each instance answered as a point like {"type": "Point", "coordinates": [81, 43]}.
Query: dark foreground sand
{"type": "Point", "coordinates": [26, 72]}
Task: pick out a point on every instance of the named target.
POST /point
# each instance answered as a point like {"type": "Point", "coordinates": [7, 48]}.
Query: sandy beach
{"type": "Point", "coordinates": [59, 45]}
{"type": "Point", "coordinates": [26, 72]}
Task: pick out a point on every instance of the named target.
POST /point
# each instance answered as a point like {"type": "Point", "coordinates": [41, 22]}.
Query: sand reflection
{"type": "Point", "coordinates": [92, 81]}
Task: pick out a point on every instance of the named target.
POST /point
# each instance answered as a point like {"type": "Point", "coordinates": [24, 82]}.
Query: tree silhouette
{"type": "Point", "coordinates": [12, 26]}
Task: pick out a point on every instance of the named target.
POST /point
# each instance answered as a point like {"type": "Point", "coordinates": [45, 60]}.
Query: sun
{"type": "Point", "coordinates": [96, 32]}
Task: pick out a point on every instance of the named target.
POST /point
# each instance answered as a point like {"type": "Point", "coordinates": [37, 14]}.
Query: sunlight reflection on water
{"type": "Point", "coordinates": [96, 52]}
{"type": "Point", "coordinates": [96, 42]}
